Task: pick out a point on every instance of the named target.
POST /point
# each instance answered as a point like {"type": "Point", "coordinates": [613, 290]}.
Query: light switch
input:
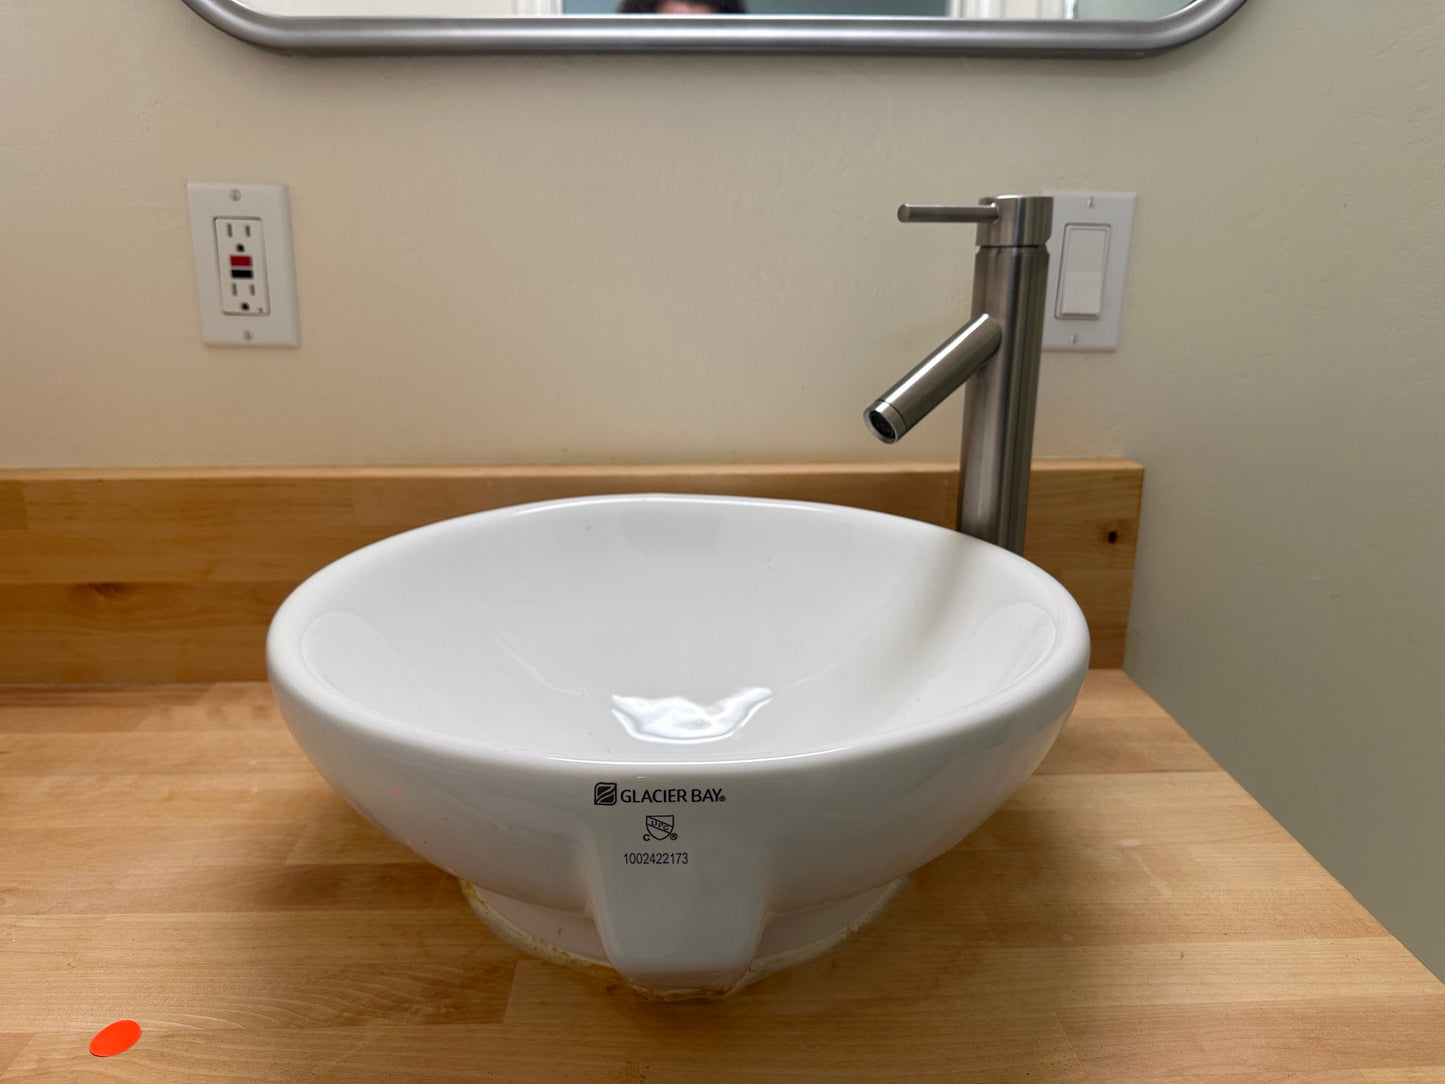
{"type": "Point", "coordinates": [1081, 272]}
{"type": "Point", "coordinates": [1088, 255]}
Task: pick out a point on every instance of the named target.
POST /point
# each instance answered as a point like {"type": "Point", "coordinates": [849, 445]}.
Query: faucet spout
{"type": "Point", "coordinates": [934, 379]}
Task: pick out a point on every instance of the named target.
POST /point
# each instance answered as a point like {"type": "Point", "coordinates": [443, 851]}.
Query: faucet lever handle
{"type": "Point", "coordinates": [1003, 221]}
{"type": "Point", "coordinates": [945, 212]}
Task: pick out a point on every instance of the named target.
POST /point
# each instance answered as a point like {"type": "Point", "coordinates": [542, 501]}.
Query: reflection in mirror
{"type": "Point", "coordinates": [957, 9]}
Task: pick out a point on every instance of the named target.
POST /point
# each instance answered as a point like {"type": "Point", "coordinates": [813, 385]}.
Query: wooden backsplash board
{"type": "Point", "coordinates": [173, 575]}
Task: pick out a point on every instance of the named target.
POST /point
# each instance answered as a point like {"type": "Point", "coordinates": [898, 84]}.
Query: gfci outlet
{"type": "Point", "coordinates": [245, 278]}
{"type": "Point", "coordinates": [241, 244]}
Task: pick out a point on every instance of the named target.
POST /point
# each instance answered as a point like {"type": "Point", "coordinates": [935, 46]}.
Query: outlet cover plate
{"type": "Point", "coordinates": [1073, 208]}
{"type": "Point", "coordinates": [270, 205]}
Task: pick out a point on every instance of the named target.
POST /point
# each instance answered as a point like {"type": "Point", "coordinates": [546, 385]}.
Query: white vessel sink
{"type": "Point", "coordinates": [689, 738]}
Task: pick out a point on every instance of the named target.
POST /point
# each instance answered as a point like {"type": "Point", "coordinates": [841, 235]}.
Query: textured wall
{"type": "Point", "coordinates": [695, 258]}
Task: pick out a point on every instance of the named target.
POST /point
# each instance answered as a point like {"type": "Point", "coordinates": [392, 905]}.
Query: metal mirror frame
{"type": "Point", "coordinates": [428, 35]}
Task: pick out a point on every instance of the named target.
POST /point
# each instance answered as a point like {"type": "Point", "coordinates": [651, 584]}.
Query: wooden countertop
{"type": "Point", "coordinates": [168, 855]}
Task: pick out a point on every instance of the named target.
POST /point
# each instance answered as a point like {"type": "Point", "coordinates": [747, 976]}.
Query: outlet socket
{"type": "Point", "coordinates": [241, 245]}
{"type": "Point", "coordinates": [245, 279]}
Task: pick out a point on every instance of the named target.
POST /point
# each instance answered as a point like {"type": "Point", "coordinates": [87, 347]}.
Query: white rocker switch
{"type": "Point", "coordinates": [1081, 272]}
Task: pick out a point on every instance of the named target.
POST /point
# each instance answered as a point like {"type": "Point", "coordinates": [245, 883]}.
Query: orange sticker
{"type": "Point", "coordinates": [115, 1038]}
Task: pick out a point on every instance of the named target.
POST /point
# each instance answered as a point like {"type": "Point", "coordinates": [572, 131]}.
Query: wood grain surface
{"type": "Point", "coordinates": [173, 575]}
{"type": "Point", "coordinates": [168, 855]}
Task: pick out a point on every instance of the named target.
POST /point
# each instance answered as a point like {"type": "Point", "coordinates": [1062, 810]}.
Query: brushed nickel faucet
{"type": "Point", "coordinates": [996, 353]}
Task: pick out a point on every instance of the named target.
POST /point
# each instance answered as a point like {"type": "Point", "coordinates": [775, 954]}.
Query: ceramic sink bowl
{"type": "Point", "coordinates": [692, 739]}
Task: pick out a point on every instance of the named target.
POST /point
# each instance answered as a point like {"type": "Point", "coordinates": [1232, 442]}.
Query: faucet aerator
{"type": "Point", "coordinates": [879, 425]}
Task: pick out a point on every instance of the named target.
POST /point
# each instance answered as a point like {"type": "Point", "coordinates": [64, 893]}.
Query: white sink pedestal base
{"type": "Point", "coordinates": [569, 937]}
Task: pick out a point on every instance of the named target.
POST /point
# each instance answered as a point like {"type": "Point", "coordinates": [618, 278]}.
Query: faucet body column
{"type": "Point", "coordinates": [998, 421]}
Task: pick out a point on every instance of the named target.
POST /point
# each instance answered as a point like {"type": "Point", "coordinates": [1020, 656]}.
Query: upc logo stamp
{"type": "Point", "coordinates": [604, 794]}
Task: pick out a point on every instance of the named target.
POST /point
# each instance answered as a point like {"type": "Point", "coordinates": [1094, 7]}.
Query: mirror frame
{"type": "Point", "coordinates": [435, 35]}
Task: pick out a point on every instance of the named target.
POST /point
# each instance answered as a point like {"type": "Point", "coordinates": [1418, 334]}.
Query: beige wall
{"type": "Point", "coordinates": [673, 258]}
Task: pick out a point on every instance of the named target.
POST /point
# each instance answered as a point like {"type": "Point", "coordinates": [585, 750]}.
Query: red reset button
{"type": "Point", "coordinates": [115, 1038]}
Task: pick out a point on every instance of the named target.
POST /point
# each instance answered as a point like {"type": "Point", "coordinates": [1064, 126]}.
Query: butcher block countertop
{"type": "Point", "coordinates": [168, 855]}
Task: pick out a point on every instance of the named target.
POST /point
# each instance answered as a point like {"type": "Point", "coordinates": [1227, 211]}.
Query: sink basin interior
{"type": "Point", "coordinates": [662, 628]}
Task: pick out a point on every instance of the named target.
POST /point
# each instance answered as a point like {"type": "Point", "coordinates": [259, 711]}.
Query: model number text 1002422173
{"type": "Point", "coordinates": [655, 858]}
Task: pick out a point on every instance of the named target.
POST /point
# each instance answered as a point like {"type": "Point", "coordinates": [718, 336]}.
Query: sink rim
{"type": "Point", "coordinates": [290, 675]}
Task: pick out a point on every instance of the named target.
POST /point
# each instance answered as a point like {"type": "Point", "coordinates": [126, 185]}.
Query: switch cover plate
{"type": "Point", "coordinates": [1091, 221]}
{"type": "Point", "coordinates": [245, 277]}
